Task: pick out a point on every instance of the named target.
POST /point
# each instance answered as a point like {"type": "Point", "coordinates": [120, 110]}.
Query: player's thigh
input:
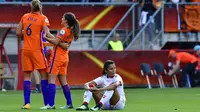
{"type": "Point", "coordinates": [39, 60]}
{"type": "Point", "coordinates": [115, 98]}
{"type": "Point", "coordinates": [54, 67]}
{"type": "Point", "coordinates": [36, 76]}
{"type": "Point", "coordinates": [62, 79]}
{"type": "Point", "coordinates": [63, 72]}
{"type": "Point", "coordinates": [53, 71]}
{"type": "Point", "coordinates": [27, 64]}
{"type": "Point", "coordinates": [63, 68]}
{"type": "Point", "coordinates": [97, 96]}
{"type": "Point", "coordinates": [52, 78]}
{"type": "Point", "coordinates": [120, 105]}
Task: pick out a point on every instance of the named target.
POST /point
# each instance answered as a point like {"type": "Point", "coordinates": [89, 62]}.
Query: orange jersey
{"type": "Point", "coordinates": [59, 54]}
{"type": "Point", "coordinates": [195, 0]}
{"type": "Point", "coordinates": [33, 25]}
{"type": "Point", "coordinates": [185, 57]}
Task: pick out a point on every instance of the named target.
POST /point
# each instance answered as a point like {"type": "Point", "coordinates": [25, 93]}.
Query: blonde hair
{"type": "Point", "coordinates": [36, 6]}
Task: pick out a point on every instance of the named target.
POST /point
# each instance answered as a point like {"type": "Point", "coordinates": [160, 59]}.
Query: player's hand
{"type": "Point", "coordinates": [93, 89]}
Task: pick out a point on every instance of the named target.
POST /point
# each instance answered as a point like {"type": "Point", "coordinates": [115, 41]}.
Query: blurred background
{"type": "Point", "coordinates": [146, 30]}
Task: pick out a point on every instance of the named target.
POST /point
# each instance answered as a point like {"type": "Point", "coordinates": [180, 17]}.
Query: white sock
{"type": "Point", "coordinates": [106, 96]}
{"type": "Point", "coordinates": [87, 96]}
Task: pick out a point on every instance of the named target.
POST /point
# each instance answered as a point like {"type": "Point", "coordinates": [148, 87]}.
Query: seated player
{"type": "Point", "coordinates": [111, 84]}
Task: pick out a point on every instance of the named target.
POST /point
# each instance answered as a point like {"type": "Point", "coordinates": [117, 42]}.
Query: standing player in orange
{"type": "Point", "coordinates": [59, 58]}
{"type": "Point", "coordinates": [186, 58]}
{"type": "Point", "coordinates": [30, 27]}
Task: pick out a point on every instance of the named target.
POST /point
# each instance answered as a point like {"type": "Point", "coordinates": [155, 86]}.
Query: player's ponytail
{"type": "Point", "coordinates": [76, 30]}
{"type": "Point", "coordinates": [36, 6]}
{"type": "Point", "coordinates": [73, 23]}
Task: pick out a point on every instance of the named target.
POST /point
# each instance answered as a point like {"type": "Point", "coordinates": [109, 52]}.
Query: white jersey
{"type": "Point", "coordinates": [104, 81]}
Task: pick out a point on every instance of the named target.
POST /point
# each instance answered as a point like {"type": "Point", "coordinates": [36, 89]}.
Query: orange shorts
{"type": "Point", "coordinates": [33, 60]}
{"type": "Point", "coordinates": [58, 67]}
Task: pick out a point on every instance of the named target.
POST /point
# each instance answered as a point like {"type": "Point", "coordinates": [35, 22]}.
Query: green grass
{"type": "Point", "coordinates": [138, 100]}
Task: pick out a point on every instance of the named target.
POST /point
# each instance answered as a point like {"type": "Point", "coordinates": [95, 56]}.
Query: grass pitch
{"type": "Point", "coordinates": [138, 100]}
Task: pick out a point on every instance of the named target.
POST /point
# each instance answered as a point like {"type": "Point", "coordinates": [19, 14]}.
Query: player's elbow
{"type": "Point", "coordinates": [113, 87]}
{"type": "Point", "coordinates": [57, 41]}
{"type": "Point", "coordinates": [86, 86]}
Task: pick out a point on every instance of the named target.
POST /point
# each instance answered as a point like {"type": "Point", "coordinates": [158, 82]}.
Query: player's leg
{"type": "Point", "coordinates": [52, 90]}
{"type": "Point", "coordinates": [53, 71]}
{"type": "Point", "coordinates": [3, 85]}
{"type": "Point", "coordinates": [36, 77]}
{"type": "Point", "coordinates": [40, 64]}
{"type": "Point", "coordinates": [189, 70]}
{"type": "Point", "coordinates": [66, 92]}
{"type": "Point", "coordinates": [110, 97]}
{"type": "Point", "coordinates": [117, 102]}
{"type": "Point", "coordinates": [65, 86]}
{"type": "Point", "coordinates": [87, 97]}
{"type": "Point", "coordinates": [44, 85]}
{"type": "Point", "coordinates": [27, 68]}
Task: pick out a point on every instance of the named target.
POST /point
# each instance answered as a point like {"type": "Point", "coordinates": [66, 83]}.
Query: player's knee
{"type": "Point", "coordinates": [43, 71]}
{"type": "Point", "coordinates": [44, 74]}
{"type": "Point", "coordinates": [27, 75]}
{"type": "Point", "coordinates": [27, 72]}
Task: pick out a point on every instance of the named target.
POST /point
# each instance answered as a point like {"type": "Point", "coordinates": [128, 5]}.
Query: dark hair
{"type": "Point", "coordinates": [106, 65]}
{"type": "Point", "coordinates": [73, 22]}
{"type": "Point", "coordinates": [36, 6]}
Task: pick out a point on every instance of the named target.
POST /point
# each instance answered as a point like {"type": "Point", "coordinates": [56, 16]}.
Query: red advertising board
{"type": "Point", "coordinates": [87, 65]}
{"type": "Point", "coordinates": [90, 17]}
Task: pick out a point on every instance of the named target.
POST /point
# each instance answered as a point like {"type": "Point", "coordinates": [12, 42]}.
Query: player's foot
{"type": "Point", "coordinates": [47, 107]}
{"type": "Point", "coordinates": [4, 90]}
{"type": "Point", "coordinates": [36, 91]}
{"type": "Point", "coordinates": [26, 106]}
{"type": "Point", "coordinates": [83, 107]}
{"type": "Point", "coordinates": [96, 108]}
{"type": "Point", "coordinates": [67, 107]}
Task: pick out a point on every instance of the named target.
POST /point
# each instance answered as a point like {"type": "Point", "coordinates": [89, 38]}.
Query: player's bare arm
{"type": "Point", "coordinates": [64, 45]}
{"type": "Point", "coordinates": [19, 31]}
{"type": "Point", "coordinates": [110, 87]}
{"type": "Point", "coordinates": [54, 41]}
{"type": "Point", "coordinates": [89, 84]}
{"type": "Point", "coordinates": [46, 30]}
{"type": "Point", "coordinates": [47, 44]}
{"type": "Point", "coordinates": [175, 68]}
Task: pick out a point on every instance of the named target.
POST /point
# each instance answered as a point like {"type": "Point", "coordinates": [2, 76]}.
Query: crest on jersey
{"type": "Point", "coordinates": [46, 20]}
{"type": "Point", "coordinates": [191, 17]}
{"type": "Point", "coordinates": [62, 32]}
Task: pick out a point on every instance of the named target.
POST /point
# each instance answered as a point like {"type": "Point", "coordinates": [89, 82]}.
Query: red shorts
{"type": "Point", "coordinates": [58, 67]}
{"type": "Point", "coordinates": [33, 60]}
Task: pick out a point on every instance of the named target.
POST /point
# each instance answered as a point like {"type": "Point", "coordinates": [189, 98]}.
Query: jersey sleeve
{"type": "Point", "coordinates": [46, 21]}
{"type": "Point", "coordinates": [61, 34]}
{"type": "Point", "coordinates": [22, 19]}
{"type": "Point", "coordinates": [99, 81]}
{"type": "Point", "coordinates": [119, 79]}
